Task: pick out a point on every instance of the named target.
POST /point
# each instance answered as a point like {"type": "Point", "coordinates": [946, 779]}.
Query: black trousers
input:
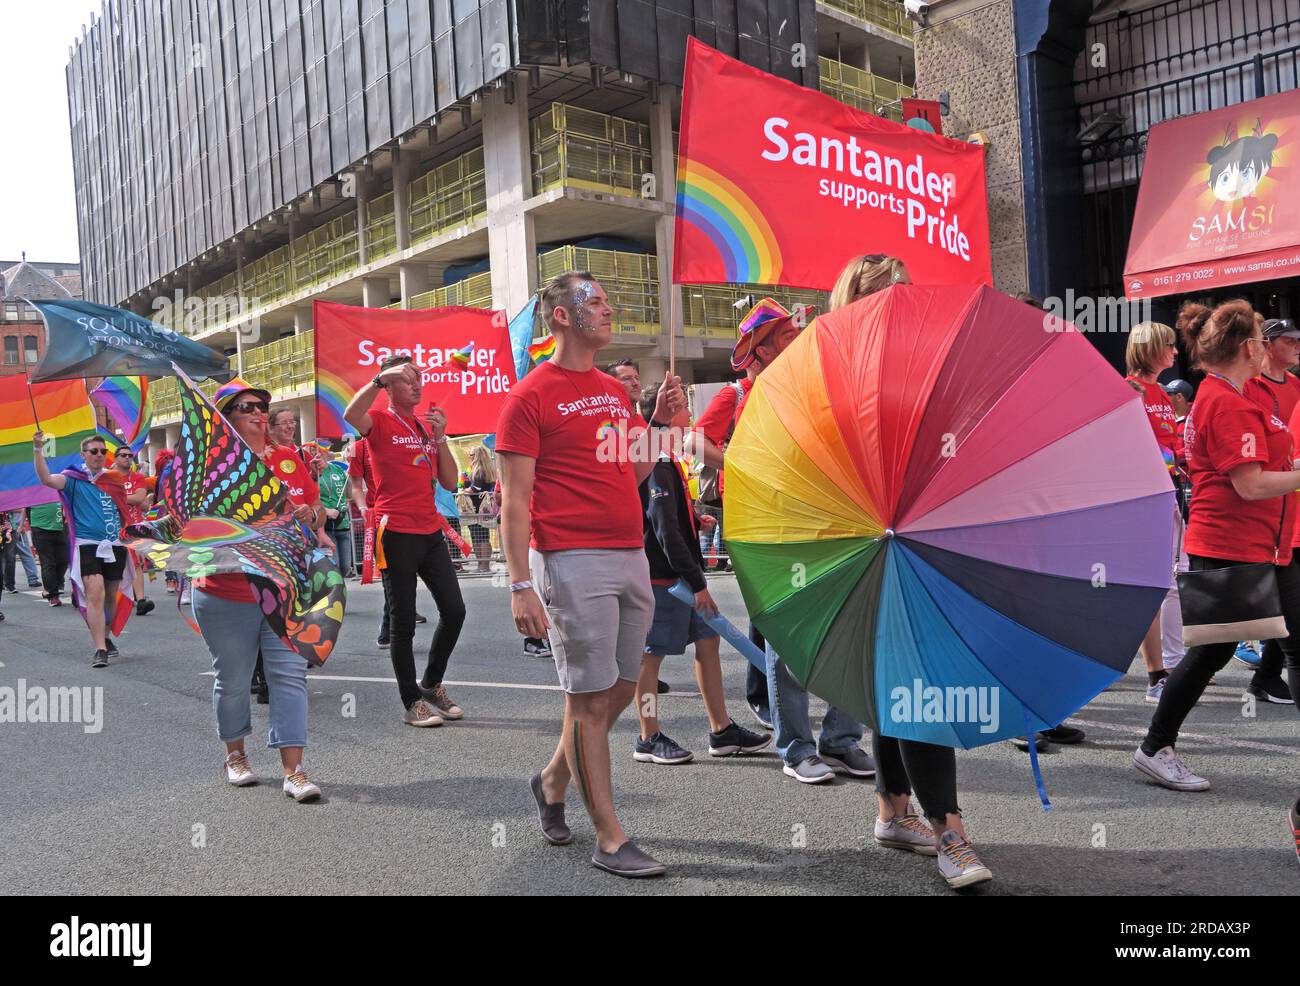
{"type": "Point", "coordinates": [52, 552]}
{"type": "Point", "coordinates": [422, 557]}
{"type": "Point", "coordinates": [904, 766]}
{"type": "Point", "coordinates": [1187, 682]}
{"type": "Point", "coordinates": [756, 680]}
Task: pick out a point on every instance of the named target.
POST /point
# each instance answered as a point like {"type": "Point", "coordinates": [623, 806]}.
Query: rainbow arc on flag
{"type": "Point", "coordinates": [66, 416]}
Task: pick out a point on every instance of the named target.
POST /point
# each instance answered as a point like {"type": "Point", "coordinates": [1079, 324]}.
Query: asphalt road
{"type": "Point", "coordinates": [139, 807]}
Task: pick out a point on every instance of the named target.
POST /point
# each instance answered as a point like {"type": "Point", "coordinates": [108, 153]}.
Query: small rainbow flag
{"type": "Point", "coordinates": [66, 416]}
{"type": "Point", "coordinates": [461, 356]}
{"type": "Point", "coordinates": [542, 350]}
{"type": "Point", "coordinates": [126, 399]}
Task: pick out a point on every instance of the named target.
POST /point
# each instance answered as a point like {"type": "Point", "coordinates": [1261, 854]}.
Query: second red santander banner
{"type": "Point", "coordinates": [463, 355]}
{"type": "Point", "coordinates": [778, 184]}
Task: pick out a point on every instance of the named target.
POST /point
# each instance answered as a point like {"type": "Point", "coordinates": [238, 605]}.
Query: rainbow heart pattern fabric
{"type": "Point", "coordinates": [222, 511]}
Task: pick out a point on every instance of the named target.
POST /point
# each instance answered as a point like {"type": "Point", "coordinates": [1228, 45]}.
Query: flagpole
{"type": "Point", "coordinates": [32, 399]}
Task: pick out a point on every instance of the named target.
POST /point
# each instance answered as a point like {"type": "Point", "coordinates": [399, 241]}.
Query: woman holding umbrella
{"type": "Point", "coordinates": [1151, 350]}
{"type": "Point", "coordinates": [906, 765]}
{"type": "Point", "coordinates": [1240, 458]}
{"type": "Point", "coordinates": [235, 628]}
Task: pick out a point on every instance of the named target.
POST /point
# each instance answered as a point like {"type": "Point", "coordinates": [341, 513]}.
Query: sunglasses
{"type": "Point", "coordinates": [248, 407]}
{"type": "Point", "coordinates": [96, 451]}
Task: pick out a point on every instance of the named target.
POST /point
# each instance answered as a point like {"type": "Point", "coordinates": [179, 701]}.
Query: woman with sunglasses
{"type": "Point", "coordinates": [1151, 350]}
{"type": "Point", "coordinates": [1240, 457]}
{"type": "Point", "coordinates": [235, 628]}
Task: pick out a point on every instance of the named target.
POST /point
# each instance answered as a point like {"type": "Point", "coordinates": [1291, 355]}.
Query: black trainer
{"type": "Point", "coordinates": [736, 739]}
{"type": "Point", "coordinates": [663, 688]}
{"type": "Point", "coordinates": [110, 647]}
{"type": "Point", "coordinates": [100, 660]}
{"type": "Point", "coordinates": [383, 643]}
{"type": "Point", "coordinates": [420, 619]}
{"type": "Point", "coordinates": [1065, 735]}
{"type": "Point", "coordinates": [1270, 690]}
{"type": "Point", "coordinates": [660, 749]}
{"type": "Point", "coordinates": [143, 606]}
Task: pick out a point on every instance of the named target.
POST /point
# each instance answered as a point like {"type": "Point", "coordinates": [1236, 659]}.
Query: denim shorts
{"type": "Point", "coordinates": [675, 625]}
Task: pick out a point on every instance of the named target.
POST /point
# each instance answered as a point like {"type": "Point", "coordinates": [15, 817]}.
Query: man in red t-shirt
{"type": "Point", "coordinates": [408, 456]}
{"type": "Point", "coordinates": [762, 339]}
{"type": "Point", "coordinates": [124, 463]}
{"type": "Point", "coordinates": [571, 516]}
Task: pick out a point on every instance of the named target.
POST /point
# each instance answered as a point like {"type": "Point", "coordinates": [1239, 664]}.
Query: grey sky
{"type": "Point", "coordinates": [37, 199]}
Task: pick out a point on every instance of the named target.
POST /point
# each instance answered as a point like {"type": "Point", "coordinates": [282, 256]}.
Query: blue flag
{"type": "Point", "coordinates": [521, 335]}
{"type": "Point", "coordinates": [83, 339]}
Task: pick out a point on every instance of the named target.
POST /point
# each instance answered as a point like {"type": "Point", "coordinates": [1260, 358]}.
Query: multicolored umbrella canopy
{"type": "Point", "coordinates": [938, 489]}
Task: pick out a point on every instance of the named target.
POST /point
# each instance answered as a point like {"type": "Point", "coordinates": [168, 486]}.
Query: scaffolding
{"type": "Point", "coordinates": [474, 291]}
{"type": "Point", "coordinates": [863, 90]}
{"type": "Point", "coordinates": [451, 195]}
{"type": "Point", "coordinates": [888, 14]}
{"type": "Point", "coordinates": [581, 148]}
{"type": "Point", "coordinates": [283, 367]}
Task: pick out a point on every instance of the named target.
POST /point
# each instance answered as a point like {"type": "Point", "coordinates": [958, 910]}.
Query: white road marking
{"type": "Point", "coordinates": [457, 684]}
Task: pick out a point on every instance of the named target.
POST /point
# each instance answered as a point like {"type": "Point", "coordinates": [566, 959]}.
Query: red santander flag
{"type": "Point", "coordinates": [463, 354]}
{"type": "Point", "coordinates": [778, 184]}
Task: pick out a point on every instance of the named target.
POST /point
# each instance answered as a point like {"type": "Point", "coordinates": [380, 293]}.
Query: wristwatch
{"type": "Point", "coordinates": [378, 382]}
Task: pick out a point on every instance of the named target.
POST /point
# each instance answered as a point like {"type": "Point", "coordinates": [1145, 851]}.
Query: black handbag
{"type": "Point", "coordinates": [1224, 605]}
{"type": "Point", "coordinates": [1239, 602]}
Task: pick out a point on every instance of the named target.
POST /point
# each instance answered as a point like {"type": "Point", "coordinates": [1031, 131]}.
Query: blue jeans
{"type": "Point", "coordinates": [29, 562]}
{"type": "Point", "coordinates": [343, 553]}
{"type": "Point", "coordinates": [789, 702]}
{"type": "Point", "coordinates": [234, 632]}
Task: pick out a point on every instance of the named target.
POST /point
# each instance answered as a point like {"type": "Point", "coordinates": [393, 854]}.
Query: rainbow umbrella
{"type": "Point", "coordinates": [948, 515]}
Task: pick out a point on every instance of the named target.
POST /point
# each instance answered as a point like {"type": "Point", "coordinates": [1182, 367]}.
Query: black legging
{"type": "Point", "coordinates": [421, 556]}
{"type": "Point", "coordinates": [52, 552]}
{"type": "Point", "coordinates": [1186, 683]}
{"type": "Point", "coordinates": [932, 770]}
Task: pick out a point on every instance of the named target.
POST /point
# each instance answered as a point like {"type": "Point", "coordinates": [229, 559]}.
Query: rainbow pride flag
{"type": "Point", "coordinates": [66, 416]}
{"type": "Point", "coordinates": [542, 350]}
{"type": "Point", "coordinates": [126, 399]}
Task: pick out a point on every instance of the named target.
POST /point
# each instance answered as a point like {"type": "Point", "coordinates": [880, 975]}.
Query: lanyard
{"type": "Point", "coordinates": [430, 450]}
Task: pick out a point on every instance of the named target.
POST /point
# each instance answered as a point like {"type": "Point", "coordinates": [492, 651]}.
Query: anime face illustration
{"type": "Point", "coordinates": [1240, 163]}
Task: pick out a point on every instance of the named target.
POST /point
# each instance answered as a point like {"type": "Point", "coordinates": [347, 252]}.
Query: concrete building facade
{"type": "Point", "coordinates": [419, 153]}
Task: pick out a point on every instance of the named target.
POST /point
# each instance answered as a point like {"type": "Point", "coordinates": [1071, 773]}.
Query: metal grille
{"type": "Point", "coordinates": [1172, 60]}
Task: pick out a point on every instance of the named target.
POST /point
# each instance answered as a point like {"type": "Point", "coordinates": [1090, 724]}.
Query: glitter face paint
{"type": "Point", "coordinates": [583, 292]}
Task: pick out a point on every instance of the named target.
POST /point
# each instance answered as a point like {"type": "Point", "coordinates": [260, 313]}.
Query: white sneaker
{"type": "Point", "coordinates": [906, 832]}
{"type": "Point", "coordinates": [237, 770]}
{"type": "Point", "coordinates": [1168, 771]}
{"type": "Point", "coordinates": [958, 863]}
{"type": "Point", "coordinates": [419, 714]}
{"type": "Point", "coordinates": [299, 788]}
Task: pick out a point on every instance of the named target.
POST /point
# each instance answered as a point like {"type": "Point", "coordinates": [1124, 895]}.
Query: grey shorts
{"type": "Point", "coordinates": [600, 607]}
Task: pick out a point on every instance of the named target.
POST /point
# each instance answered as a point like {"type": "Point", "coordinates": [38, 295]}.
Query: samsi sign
{"type": "Point", "coordinates": [463, 354]}
{"type": "Point", "coordinates": [1213, 207]}
{"type": "Point", "coordinates": [778, 184]}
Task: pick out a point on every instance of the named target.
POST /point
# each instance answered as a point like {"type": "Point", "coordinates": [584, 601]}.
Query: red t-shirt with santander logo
{"type": "Point", "coordinates": [1226, 429]}
{"type": "Point", "coordinates": [286, 466]}
{"type": "Point", "coordinates": [1159, 412]}
{"type": "Point", "coordinates": [1280, 398]}
{"type": "Point", "coordinates": [404, 469]}
{"type": "Point", "coordinates": [560, 418]}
